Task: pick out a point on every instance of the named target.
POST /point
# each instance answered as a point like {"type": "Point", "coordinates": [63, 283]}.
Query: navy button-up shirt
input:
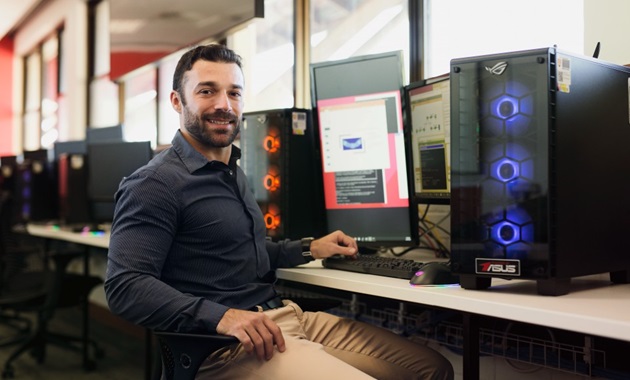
{"type": "Point", "coordinates": [188, 242]}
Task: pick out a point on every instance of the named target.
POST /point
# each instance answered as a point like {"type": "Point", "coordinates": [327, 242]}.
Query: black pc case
{"type": "Point", "coordinates": [281, 159]}
{"type": "Point", "coordinates": [539, 168]}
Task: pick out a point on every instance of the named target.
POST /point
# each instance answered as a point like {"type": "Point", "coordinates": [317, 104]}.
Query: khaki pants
{"type": "Point", "coordinates": [323, 346]}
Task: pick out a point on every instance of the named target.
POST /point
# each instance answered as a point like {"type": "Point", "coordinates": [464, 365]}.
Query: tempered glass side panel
{"type": "Point", "coordinates": [500, 158]}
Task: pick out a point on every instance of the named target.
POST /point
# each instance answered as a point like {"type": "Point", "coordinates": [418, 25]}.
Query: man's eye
{"type": "Point", "coordinates": [206, 91]}
{"type": "Point", "coordinates": [236, 94]}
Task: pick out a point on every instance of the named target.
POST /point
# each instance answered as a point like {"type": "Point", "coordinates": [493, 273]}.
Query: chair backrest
{"type": "Point", "coordinates": [182, 354]}
{"type": "Point", "coordinates": [21, 280]}
{"type": "Point", "coordinates": [8, 265]}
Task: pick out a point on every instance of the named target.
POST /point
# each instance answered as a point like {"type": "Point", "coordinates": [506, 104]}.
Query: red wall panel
{"type": "Point", "coordinates": [6, 96]}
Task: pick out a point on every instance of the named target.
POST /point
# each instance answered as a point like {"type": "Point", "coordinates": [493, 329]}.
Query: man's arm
{"type": "Point", "coordinates": [287, 254]}
{"type": "Point", "coordinates": [144, 226]}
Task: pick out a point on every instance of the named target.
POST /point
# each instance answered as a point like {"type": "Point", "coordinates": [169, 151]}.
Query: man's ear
{"type": "Point", "coordinates": [176, 101]}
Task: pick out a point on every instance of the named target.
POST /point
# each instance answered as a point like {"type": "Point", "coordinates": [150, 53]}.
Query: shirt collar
{"type": "Point", "coordinates": [194, 160]}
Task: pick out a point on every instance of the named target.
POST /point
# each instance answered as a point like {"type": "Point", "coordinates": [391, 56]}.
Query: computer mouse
{"type": "Point", "coordinates": [434, 273]}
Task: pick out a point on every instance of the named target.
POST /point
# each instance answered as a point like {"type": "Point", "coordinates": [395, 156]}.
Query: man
{"type": "Point", "coordinates": [188, 253]}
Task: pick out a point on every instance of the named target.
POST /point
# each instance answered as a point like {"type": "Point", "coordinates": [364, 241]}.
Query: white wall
{"type": "Point", "coordinates": [608, 22]}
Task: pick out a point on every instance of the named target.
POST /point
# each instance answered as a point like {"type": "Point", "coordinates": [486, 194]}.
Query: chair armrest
{"type": "Point", "coordinates": [183, 353]}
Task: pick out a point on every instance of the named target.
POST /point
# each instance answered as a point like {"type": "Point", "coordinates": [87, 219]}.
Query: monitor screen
{"type": "Point", "coordinates": [108, 163]}
{"type": "Point", "coordinates": [427, 105]}
{"type": "Point", "coordinates": [363, 149]}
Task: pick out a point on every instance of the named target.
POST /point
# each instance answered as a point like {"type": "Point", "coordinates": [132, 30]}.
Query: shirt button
{"type": "Point", "coordinates": [231, 173]}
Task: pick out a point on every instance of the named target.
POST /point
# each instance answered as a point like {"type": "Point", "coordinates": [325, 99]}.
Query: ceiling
{"type": "Point", "coordinates": [170, 25]}
{"type": "Point", "coordinates": [13, 12]}
{"type": "Point", "coordinates": [152, 24]}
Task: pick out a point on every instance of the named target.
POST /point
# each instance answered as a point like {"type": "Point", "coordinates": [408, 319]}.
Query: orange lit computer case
{"type": "Point", "coordinates": [281, 160]}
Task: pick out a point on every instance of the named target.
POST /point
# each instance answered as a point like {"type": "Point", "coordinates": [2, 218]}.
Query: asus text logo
{"type": "Point", "coordinates": [497, 69]}
{"type": "Point", "coordinates": [503, 267]}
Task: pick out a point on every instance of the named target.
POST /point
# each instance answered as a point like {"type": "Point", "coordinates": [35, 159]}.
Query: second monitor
{"type": "Point", "coordinates": [364, 155]}
{"type": "Point", "coordinates": [427, 105]}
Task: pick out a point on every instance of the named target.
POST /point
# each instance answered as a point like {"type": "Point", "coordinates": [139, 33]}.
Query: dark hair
{"type": "Point", "coordinates": [211, 52]}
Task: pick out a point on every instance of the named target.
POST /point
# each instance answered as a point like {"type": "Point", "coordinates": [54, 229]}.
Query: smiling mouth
{"type": "Point", "coordinates": [224, 121]}
{"type": "Point", "coordinates": [220, 122]}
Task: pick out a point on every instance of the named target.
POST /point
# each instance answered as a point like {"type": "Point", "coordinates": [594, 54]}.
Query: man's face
{"type": "Point", "coordinates": [213, 99]}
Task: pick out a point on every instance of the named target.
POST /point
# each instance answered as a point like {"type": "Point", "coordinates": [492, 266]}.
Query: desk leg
{"type": "Point", "coordinates": [471, 346]}
{"type": "Point", "coordinates": [87, 364]}
{"type": "Point", "coordinates": [148, 355]}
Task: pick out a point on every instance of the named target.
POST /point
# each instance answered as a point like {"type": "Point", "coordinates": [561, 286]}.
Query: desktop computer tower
{"type": "Point", "coordinates": [35, 196]}
{"type": "Point", "coordinates": [7, 173]}
{"type": "Point", "coordinates": [539, 157]}
{"type": "Point", "coordinates": [72, 175]}
{"type": "Point", "coordinates": [280, 158]}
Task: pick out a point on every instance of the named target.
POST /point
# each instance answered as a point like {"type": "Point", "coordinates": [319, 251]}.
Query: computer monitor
{"type": "Point", "coordinates": [365, 160]}
{"type": "Point", "coordinates": [104, 134]}
{"type": "Point", "coordinates": [428, 113]}
{"type": "Point", "coordinates": [108, 164]}
{"type": "Point", "coordinates": [69, 147]}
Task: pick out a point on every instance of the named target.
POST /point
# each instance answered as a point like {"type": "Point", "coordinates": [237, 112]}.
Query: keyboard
{"type": "Point", "coordinates": [379, 265]}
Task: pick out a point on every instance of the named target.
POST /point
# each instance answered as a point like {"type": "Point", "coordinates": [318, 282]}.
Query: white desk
{"type": "Point", "coordinates": [51, 232]}
{"type": "Point", "coordinates": [594, 306]}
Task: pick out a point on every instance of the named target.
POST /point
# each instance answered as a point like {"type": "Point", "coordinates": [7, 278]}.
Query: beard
{"type": "Point", "coordinates": [195, 125]}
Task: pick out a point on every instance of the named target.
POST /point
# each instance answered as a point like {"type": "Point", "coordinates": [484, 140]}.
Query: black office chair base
{"type": "Point", "coordinates": [182, 354]}
{"type": "Point", "coordinates": [36, 346]}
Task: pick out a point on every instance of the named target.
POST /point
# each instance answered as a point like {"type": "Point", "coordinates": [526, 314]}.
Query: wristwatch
{"type": "Point", "coordinates": [306, 248]}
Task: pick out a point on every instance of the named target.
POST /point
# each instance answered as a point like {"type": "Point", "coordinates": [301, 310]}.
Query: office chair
{"type": "Point", "coordinates": [182, 353]}
{"type": "Point", "coordinates": [61, 290]}
{"type": "Point", "coordinates": [28, 285]}
{"type": "Point", "coordinates": [20, 288]}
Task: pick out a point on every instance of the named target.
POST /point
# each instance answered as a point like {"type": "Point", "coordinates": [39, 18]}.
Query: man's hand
{"type": "Point", "coordinates": [256, 332]}
{"type": "Point", "coordinates": [335, 243]}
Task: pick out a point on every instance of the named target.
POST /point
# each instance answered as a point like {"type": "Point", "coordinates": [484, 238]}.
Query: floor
{"type": "Point", "coordinates": [123, 347]}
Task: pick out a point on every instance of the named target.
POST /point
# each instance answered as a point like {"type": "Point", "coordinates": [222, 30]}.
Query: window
{"type": "Point", "coordinates": [140, 122]}
{"type": "Point", "coordinates": [168, 119]}
{"type": "Point", "coordinates": [50, 93]}
{"type": "Point", "coordinates": [464, 28]}
{"type": "Point", "coordinates": [348, 28]}
{"type": "Point", "coordinates": [267, 48]}
{"type": "Point", "coordinates": [32, 105]}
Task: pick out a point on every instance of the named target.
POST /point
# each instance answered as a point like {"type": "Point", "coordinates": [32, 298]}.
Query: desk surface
{"type": "Point", "coordinates": [92, 239]}
{"type": "Point", "coordinates": [594, 306]}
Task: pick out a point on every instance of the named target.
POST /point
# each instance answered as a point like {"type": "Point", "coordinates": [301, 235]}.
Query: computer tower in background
{"type": "Point", "coordinates": [35, 196]}
{"type": "Point", "coordinates": [74, 206]}
{"type": "Point", "coordinates": [280, 158]}
{"type": "Point", "coordinates": [7, 173]}
{"type": "Point", "coordinates": [539, 168]}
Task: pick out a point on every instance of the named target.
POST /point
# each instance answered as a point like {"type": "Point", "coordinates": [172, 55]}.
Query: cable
{"type": "Point", "coordinates": [427, 229]}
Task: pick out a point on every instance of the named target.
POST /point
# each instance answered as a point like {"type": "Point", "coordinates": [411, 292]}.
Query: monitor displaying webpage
{"type": "Point", "coordinates": [364, 163]}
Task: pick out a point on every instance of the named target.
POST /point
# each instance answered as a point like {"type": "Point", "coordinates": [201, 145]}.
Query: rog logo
{"type": "Point", "coordinates": [497, 69]}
